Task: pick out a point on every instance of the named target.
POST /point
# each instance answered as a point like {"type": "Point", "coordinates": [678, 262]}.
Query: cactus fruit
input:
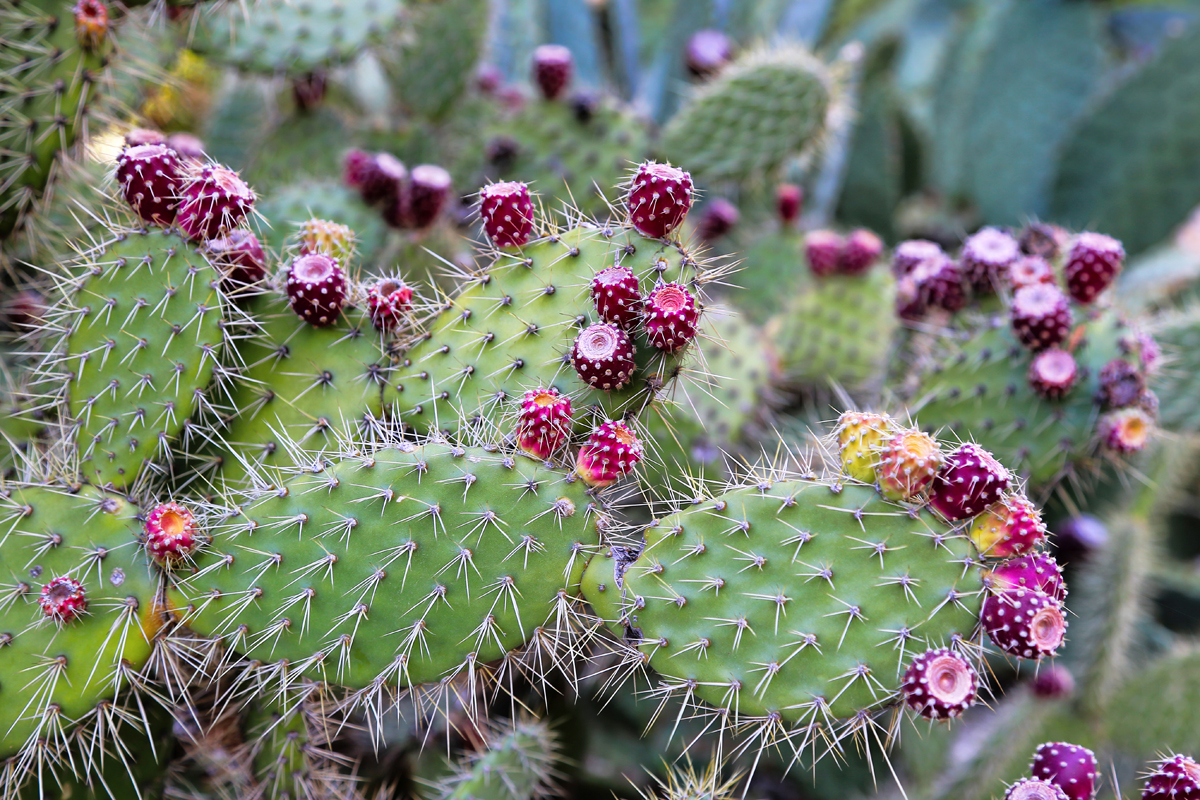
{"type": "Point", "coordinates": [1052, 682]}
{"type": "Point", "coordinates": [862, 249]}
{"type": "Point", "coordinates": [940, 684]}
{"type": "Point", "coordinates": [316, 289]}
{"type": "Point", "coordinates": [1009, 527]}
{"type": "Point", "coordinates": [609, 454]}
{"type": "Point", "coordinates": [171, 533]}
{"type": "Point", "coordinates": [1024, 623]}
{"type": "Point", "coordinates": [328, 238]}
{"type": "Point", "coordinates": [63, 600]}
{"type": "Point", "coordinates": [1126, 430]}
{"type": "Point", "coordinates": [1176, 777]}
{"type": "Point", "coordinates": [518, 762]}
{"type": "Point", "coordinates": [1028, 271]}
{"type": "Point", "coordinates": [615, 293]}
{"type": "Point", "coordinates": [718, 218]}
{"type": "Point", "coordinates": [789, 199]}
{"type": "Point", "coordinates": [603, 356]}
{"type": "Point", "coordinates": [970, 480]}
{"type": "Point", "coordinates": [213, 200]}
{"type": "Point", "coordinates": [938, 281]}
{"type": "Point", "coordinates": [507, 212]}
{"type": "Point", "coordinates": [388, 301]}
{"type": "Point", "coordinates": [707, 52]}
{"type": "Point", "coordinates": [986, 258]}
{"type": "Point", "coordinates": [1068, 766]}
{"type": "Point", "coordinates": [1034, 789]}
{"type": "Point", "coordinates": [552, 68]}
{"type": "Point", "coordinates": [149, 176]}
{"type": "Point", "coordinates": [659, 199]}
{"type": "Point", "coordinates": [379, 178]}
{"type": "Point", "coordinates": [1052, 373]}
{"type": "Point", "coordinates": [1039, 573]}
{"type": "Point", "coordinates": [909, 254]}
{"type": "Point", "coordinates": [907, 464]}
{"type": "Point", "coordinates": [823, 251]}
{"type": "Point", "coordinates": [240, 257]}
{"type": "Point", "coordinates": [861, 438]}
{"type": "Point", "coordinates": [1041, 316]}
{"type": "Point", "coordinates": [428, 194]}
{"type": "Point", "coordinates": [1092, 264]}
{"type": "Point", "coordinates": [545, 422]}
{"type": "Point", "coordinates": [670, 317]}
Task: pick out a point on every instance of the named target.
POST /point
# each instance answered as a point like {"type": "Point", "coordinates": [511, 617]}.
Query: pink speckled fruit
{"type": "Point", "coordinates": [1028, 271]}
{"type": "Point", "coordinates": [862, 249]}
{"type": "Point", "coordinates": [1175, 778]}
{"type": "Point", "coordinates": [940, 283]}
{"type": "Point", "coordinates": [912, 252]}
{"type": "Point", "coordinates": [1034, 789]}
{"type": "Point", "coordinates": [171, 533]}
{"type": "Point", "coordinates": [986, 257]}
{"type": "Point", "coordinates": [507, 212]}
{"type": "Point", "coordinates": [1126, 430]}
{"type": "Point", "coordinates": [708, 51]}
{"type": "Point", "coordinates": [428, 193]}
{"type": "Point", "coordinates": [1068, 766]}
{"type": "Point", "coordinates": [1040, 572]}
{"type": "Point", "coordinates": [823, 250]}
{"type": "Point", "coordinates": [1041, 316]}
{"type": "Point", "coordinates": [316, 288]}
{"type": "Point", "coordinates": [241, 259]}
{"type": "Point", "coordinates": [388, 301]}
{"type": "Point", "coordinates": [660, 197]}
{"type": "Point", "coordinates": [382, 178]}
{"type": "Point", "coordinates": [214, 200]}
{"type": "Point", "coordinates": [545, 422]}
{"type": "Point", "coordinates": [140, 136]}
{"type": "Point", "coordinates": [970, 481]}
{"type": "Point", "coordinates": [552, 68]}
{"type": "Point", "coordinates": [603, 356]}
{"type": "Point", "coordinates": [939, 684]}
{"type": "Point", "coordinates": [356, 166]}
{"type": "Point", "coordinates": [616, 295]}
{"type": "Point", "coordinates": [63, 599]}
{"type": "Point", "coordinates": [1121, 384]}
{"type": "Point", "coordinates": [1010, 527]}
{"type": "Point", "coordinates": [717, 219]}
{"type": "Point", "coordinates": [1092, 265]}
{"type": "Point", "coordinates": [670, 317]}
{"type": "Point", "coordinates": [1024, 623]}
{"type": "Point", "coordinates": [789, 199]}
{"type": "Point", "coordinates": [1053, 681]}
{"type": "Point", "coordinates": [1053, 373]}
{"type": "Point", "coordinates": [189, 147]}
{"type": "Point", "coordinates": [610, 452]}
{"type": "Point", "coordinates": [149, 178]}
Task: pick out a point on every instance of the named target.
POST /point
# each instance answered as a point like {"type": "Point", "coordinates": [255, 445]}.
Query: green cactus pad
{"type": "Point", "coordinates": [54, 678]}
{"type": "Point", "coordinates": [434, 68]}
{"type": "Point", "coordinates": [773, 269]}
{"type": "Point", "coordinates": [518, 764]}
{"type": "Point", "coordinates": [399, 566]}
{"type": "Point", "coordinates": [289, 206]}
{"type": "Point", "coordinates": [145, 333]}
{"type": "Point", "coordinates": [513, 325]}
{"type": "Point", "coordinates": [763, 109]}
{"type": "Point", "coordinates": [800, 598]}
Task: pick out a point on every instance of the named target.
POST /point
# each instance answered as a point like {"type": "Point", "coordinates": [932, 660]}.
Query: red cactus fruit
{"type": "Point", "coordinates": [428, 191]}
{"type": "Point", "coordinates": [1148, 351]}
{"type": "Point", "coordinates": [488, 78]}
{"type": "Point", "coordinates": [615, 293]}
{"type": "Point", "coordinates": [356, 166]}
{"type": "Point", "coordinates": [1175, 778]}
{"type": "Point", "coordinates": [1028, 271]}
{"type": "Point", "coordinates": [507, 212]}
{"type": "Point", "coordinates": [139, 136]}
{"type": "Point", "coordinates": [707, 52]}
{"type": "Point", "coordinates": [986, 257]}
{"type": "Point", "coordinates": [1034, 789]}
{"type": "Point", "coordinates": [171, 533]}
{"type": "Point", "coordinates": [1041, 316]}
{"type": "Point", "coordinates": [603, 356]}
{"type": "Point", "coordinates": [1044, 240]}
{"type": "Point", "coordinates": [91, 23]}
{"type": "Point", "coordinates": [718, 218]}
{"type": "Point", "coordinates": [388, 300]}
{"type": "Point", "coordinates": [308, 90]}
{"type": "Point", "coordinates": [1092, 265]}
{"type": "Point", "coordinates": [149, 178]}
{"type": "Point", "coordinates": [189, 147]}
{"type": "Point", "coordinates": [940, 281]}
{"type": "Point", "coordinates": [660, 196]}
{"type": "Point", "coordinates": [1039, 572]}
{"type": "Point", "coordinates": [670, 317]}
{"type": "Point", "coordinates": [1120, 384]}
{"type": "Point", "coordinates": [545, 422]}
{"type": "Point", "coordinates": [907, 464]}
{"type": "Point", "coordinates": [609, 453]}
{"type": "Point", "coordinates": [862, 249]}
{"type": "Point", "coordinates": [1052, 373]}
{"type": "Point", "coordinates": [823, 251]}
{"type": "Point", "coordinates": [1078, 538]}
{"type": "Point", "coordinates": [316, 288]}
{"type": "Point", "coordinates": [789, 200]}
{"type": "Point", "coordinates": [1024, 623]}
{"type": "Point", "coordinates": [970, 481]}
{"type": "Point", "coordinates": [24, 310]}
{"type": "Point", "coordinates": [1053, 681]}
{"type": "Point", "coordinates": [552, 68]}
{"type": "Point", "coordinates": [1126, 430]}
{"type": "Point", "coordinates": [63, 599]}
{"type": "Point", "coordinates": [1009, 527]}
{"type": "Point", "coordinates": [214, 199]}
{"type": "Point", "coordinates": [382, 179]}
{"type": "Point", "coordinates": [1068, 766]}
{"type": "Point", "coordinates": [939, 684]}
{"type": "Point", "coordinates": [241, 258]}
{"type": "Point", "coordinates": [909, 254]}
{"type": "Point", "coordinates": [910, 305]}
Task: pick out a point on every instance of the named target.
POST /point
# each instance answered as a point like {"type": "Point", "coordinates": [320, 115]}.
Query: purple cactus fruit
{"type": "Point", "coordinates": [507, 212]}
{"type": "Point", "coordinates": [1043, 240]}
{"type": "Point", "coordinates": [1052, 682]}
{"type": "Point", "coordinates": [670, 317]}
{"type": "Point", "coordinates": [1068, 766]}
{"type": "Point", "coordinates": [1053, 373]}
{"type": "Point", "coordinates": [1039, 572]}
{"type": "Point", "coordinates": [789, 199]}
{"type": "Point", "coordinates": [356, 166]}
{"type": "Point", "coordinates": [910, 305]}
{"type": "Point", "coordinates": [823, 250]}
{"type": "Point", "coordinates": [660, 196]}
{"type": "Point", "coordinates": [139, 136]}
{"type": "Point", "coordinates": [708, 51]}
{"type": "Point", "coordinates": [428, 192]}
{"type": "Point", "coordinates": [1041, 316]}
{"type": "Point", "coordinates": [488, 78]}
{"type": "Point", "coordinates": [986, 257]}
{"type": "Point", "coordinates": [940, 282]}
{"type": "Point", "coordinates": [24, 310]}
{"type": "Point", "coordinates": [308, 90]}
{"type": "Point", "coordinates": [1078, 537]}
{"type": "Point", "coordinates": [970, 480]}
{"type": "Point", "coordinates": [718, 218]}
{"type": "Point", "coordinates": [1120, 384]}
{"type": "Point", "coordinates": [1126, 430]}
{"type": "Point", "coordinates": [615, 293]}
{"type": "Point", "coordinates": [316, 288]}
{"type": "Point", "coordinates": [1092, 265]}
{"type": "Point", "coordinates": [1028, 271]}
{"type": "Point", "coordinates": [241, 259]}
{"type": "Point", "coordinates": [909, 254]}
{"type": "Point", "coordinates": [939, 684]}
{"type": "Point", "coordinates": [149, 178]}
{"type": "Point", "coordinates": [388, 301]}
{"type": "Point", "coordinates": [862, 249]}
{"type": "Point", "coordinates": [1009, 527]}
{"type": "Point", "coordinates": [603, 356]}
{"type": "Point", "coordinates": [214, 199]}
{"type": "Point", "coordinates": [1034, 789]}
{"type": "Point", "coordinates": [1175, 778]}
{"type": "Point", "coordinates": [552, 68]}
{"type": "Point", "coordinates": [382, 179]}
{"type": "Point", "coordinates": [1024, 623]}
{"type": "Point", "coordinates": [544, 424]}
{"type": "Point", "coordinates": [189, 147]}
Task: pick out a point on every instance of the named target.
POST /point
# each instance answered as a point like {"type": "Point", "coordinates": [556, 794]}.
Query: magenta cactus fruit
{"type": "Point", "coordinates": [1068, 766]}
{"type": "Point", "coordinates": [388, 301]}
{"type": "Point", "coordinates": [615, 293]}
{"type": "Point", "coordinates": [189, 146]}
{"type": "Point", "coordinates": [1126, 430]}
{"type": "Point", "coordinates": [1052, 682]}
{"type": "Point", "coordinates": [63, 599]}
{"type": "Point", "coordinates": [1052, 373]}
{"type": "Point", "coordinates": [909, 254]}
{"type": "Point", "coordinates": [1176, 777]}
{"type": "Point", "coordinates": [140, 136]}
{"type": "Point", "coordinates": [356, 166]}
{"type": "Point", "coordinates": [970, 480]}
{"type": "Point", "coordinates": [1011, 527]}
{"type": "Point", "coordinates": [789, 199]}
{"type": "Point", "coordinates": [214, 200]}
{"type": "Point", "coordinates": [940, 281]}
{"type": "Point", "coordinates": [241, 257]}
{"type": "Point", "coordinates": [907, 464]}
{"type": "Point", "coordinates": [552, 68]}
{"type": "Point", "coordinates": [718, 218]}
{"type": "Point", "coordinates": [428, 192]}
{"type": "Point", "coordinates": [1034, 789]}
{"type": "Point", "coordinates": [1029, 271]}
{"type": "Point", "coordinates": [603, 356]}
{"type": "Point", "coordinates": [382, 178]}
{"type": "Point", "coordinates": [670, 317]}
{"type": "Point", "coordinates": [823, 251]}
{"type": "Point", "coordinates": [1120, 384]}
{"type": "Point", "coordinates": [986, 257]}
{"type": "Point", "coordinates": [1040, 573]}
{"type": "Point", "coordinates": [1044, 240]}
{"type": "Point", "coordinates": [1092, 265]}
{"type": "Point", "coordinates": [544, 423]}
{"type": "Point", "coordinates": [1024, 623]}
{"type": "Point", "coordinates": [1041, 316]}
{"type": "Point", "coordinates": [939, 684]}
{"type": "Point", "coordinates": [171, 533]}
{"type": "Point", "coordinates": [316, 288]}
{"type": "Point", "coordinates": [708, 51]}
{"type": "Point", "coordinates": [862, 249]}
{"type": "Point", "coordinates": [488, 78]}
{"type": "Point", "coordinates": [910, 305]}
{"type": "Point", "coordinates": [23, 310]}
{"type": "Point", "coordinates": [1148, 352]}
{"type": "Point", "coordinates": [507, 212]}
{"type": "Point", "coordinates": [660, 196]}
{"type": "Point", "coordinates": [609, 453]}
{"type": "Point", "coordinates": [149, 178]}
{"type": "Point", "coordinates": [91, 23]}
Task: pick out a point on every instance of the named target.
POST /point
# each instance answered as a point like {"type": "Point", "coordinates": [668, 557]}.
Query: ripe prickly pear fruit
{"type": "Point", "coordinates": [171, 533]}
{"type": "Point", "coordinates": [91, 23]}
{"type": "Point", "coordinates": [862, 249]}
{"type": "Point", "coordinates": [1068, 766]}
{"type": "Point", "coordinates": [1126, 430]}
{"type": "Point", "coordinates": [1034, 789]}
{"type": "Point", "coordinates": [1121, 384]}
{"type": "Point", "coordinates": [1028, 271]}
{"type": "Point", "coordinates": [1079, 537]}
{"type": "Point", "coordinates": [552, 68]}
{"type": "Point", "coordinates": [940, 684]}
{"type": "Point", "coordinates": [609, 454]}
{"type": "Point", "coordinates": [1092, 265]}
{"type": "Point", "coordinates": [907, 464]}
{"type": "Point", "coordinates": [1040, 573]}
{"type": "Point", "coordinates": [909, 303]}
{"type": "Point", "coordinates": [1043, 240]}
{"type": "Point", "coordinates": [789, 199]}
{"type": "Point", "coordinates": [63, 599]}
{"type": "Point", "coordinates": [381, 177]}
{"type": "Point", "coordinates": [1024, 623]}
{"type": "Point", "coordinates": [213, 200]}
{"type": "Point", "coordinates": [986, 257]}
{"type": "Point", "coordinates": [1010, 527]}
{"type": "Point", "coordinates": [149, 176]}
{"type": "Point", "coordinates": [908, 254]}
{"type": "Point", "coordinates": [707, 52]}
{"type": "Point", "coordinates": [428, 193]}
{"type": "Point", "coordinates": [719, 217]}
{"type": "Point", "coordinates": [356, 167]}
{"type": "Point", "coordinates": [823, 250]}
{"type": "Point", "coordinates": [615, 293]}
{"type": "Point", "coordinates": [1053, 681]}
{"type": "Point", "coordinates": [388, 300]}
{"type": "Point", "coordinates": [1176, 777]}
{"type": "Point", "coordinates": [544, 424]}
{"type": "Point", "coordinates": [140, 136]}
{"type": "Point", "coordinates": [603, 356]}
{"type": "Point", "coordinates": [240, 257]}
{"type": "Point", "coordinates": [970, 480]}
{"type": "Point", "coordinates": [861, 437]}
{"type": "Point", "coordinates": [190, 148]}
{"type": "Point", "coordinates": [507, 212]}
{"type": "Point", "coordinates": [940, 282]}
{"type": "Point", "coordinates": [660, 196]}
{"type": "Point", "coordinates": [670, 317]}
{"type": "Point", "coordinates": [330, 238]}
{"type": "Point", "coordinates": [1041, 316]}
{"type": "Point", "coordinates": [1053, 373]}
{"type": "Point", "coordinates": [316, 289]}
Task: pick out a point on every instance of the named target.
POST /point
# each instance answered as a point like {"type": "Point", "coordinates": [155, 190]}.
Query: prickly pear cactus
{"type": "Point", "coordinates": [519, 763]}
{"type": "Point", "coordinates": [433, 69]}
{"type": "Point", "coordinates": [773, 270]}
{"type": "Point", "coordinates": [291, 205]}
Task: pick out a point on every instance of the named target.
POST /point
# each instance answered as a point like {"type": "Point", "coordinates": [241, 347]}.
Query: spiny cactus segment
{"type": "Point", "coordinates": [1176, 776]}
